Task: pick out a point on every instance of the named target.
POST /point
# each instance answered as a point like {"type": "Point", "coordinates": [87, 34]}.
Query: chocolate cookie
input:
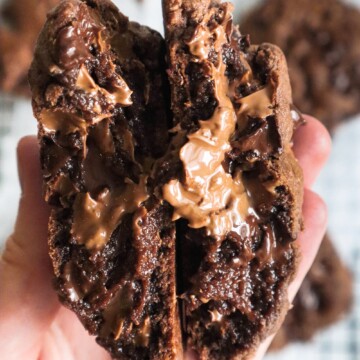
{"type": "Point", "coordinates": [129, 182]}
{"type": "Point", "coordinates": [321, 42]}
{"type": "Point", "coordinates": [21, 23]}
{"type": "Point", "coordinates": [99, 93]}
{"type": "Point", "coordinates": [324, 297]}
{"type": "Point", "coordinates": [233, 181]}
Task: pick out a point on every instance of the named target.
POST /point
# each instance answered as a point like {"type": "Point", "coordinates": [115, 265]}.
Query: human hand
{"type": "Point", "coordinates": [33, 324]}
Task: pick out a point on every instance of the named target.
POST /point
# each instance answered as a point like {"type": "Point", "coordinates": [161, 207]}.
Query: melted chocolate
{"type": "Point", "coordinates": [209, 197]}
{"type": "Point", "coordinates": [96, 219]}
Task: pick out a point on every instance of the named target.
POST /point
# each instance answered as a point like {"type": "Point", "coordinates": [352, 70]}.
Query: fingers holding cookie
{"type": "Point", "coordinates": [312, 145]}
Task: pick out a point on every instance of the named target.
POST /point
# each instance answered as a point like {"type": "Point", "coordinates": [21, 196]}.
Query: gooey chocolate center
{"type": "Point", "coordinates": [208, 196]}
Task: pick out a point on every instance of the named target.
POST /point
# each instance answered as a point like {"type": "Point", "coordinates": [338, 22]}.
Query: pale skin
{"type": "Point", "coordinates": [33, 324]}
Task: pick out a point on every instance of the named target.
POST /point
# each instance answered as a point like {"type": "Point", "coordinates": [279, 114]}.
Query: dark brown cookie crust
{"type": "Point", "coordinates": [99, 95]}
{"type": "Point", "coordinates": [324, 298]}
{"type": "Point", "coordinates": [320, 40]}
{"type": "Point", "coordinates": [21, 22]}
{"type": "Point", "coordinates": [233, 288]}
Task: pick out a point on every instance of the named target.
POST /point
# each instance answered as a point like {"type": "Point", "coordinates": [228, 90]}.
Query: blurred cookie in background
{"type": "Point", "coordinates": [21, 22]}
{"type": "Point", "coordinates": [321, 40]}
{"type": "Point", "coordinates": [324, 298]}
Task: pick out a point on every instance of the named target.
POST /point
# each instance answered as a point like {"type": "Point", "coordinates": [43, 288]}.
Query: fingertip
{"type": "Point", "coordinates": [33, 213]}
{"type": "Point", "coordinates": [27, 147]}
{"type": "Point", "coordinates": [28, 164]}
{"type": "Point", "coordinates": [27, 141]}
{"type": "Point", "coordinates": [315, 215]}
{"type": "Point", "coordinates": [315, 221]}
{"type": "Point", "coordinates": [321, 135]}
{"type": "Point", "coordinates": [312, 146]}
{"type": "Point", "coordinates": [315, 212]}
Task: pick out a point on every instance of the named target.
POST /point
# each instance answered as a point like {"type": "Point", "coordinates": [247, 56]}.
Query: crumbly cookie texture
{"type": "Point", "coordinates": [21, 22]}
{"type": "Point", "coordinates": [236, 188]}
{"type": "Point", "coordinates": [320, 41]}
{"type": "Point", "coordinates": [324, 298]}
{"type": "Point", "coordinates": [99, 90]}
{"type": "Point", "coordinates": [132, 181]}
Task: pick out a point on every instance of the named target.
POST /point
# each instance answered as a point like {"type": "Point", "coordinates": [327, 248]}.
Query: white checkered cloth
{"type": "Point", "coordinates": [338, 184]}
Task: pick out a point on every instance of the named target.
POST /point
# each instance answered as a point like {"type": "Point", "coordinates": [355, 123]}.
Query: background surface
{"type": "Point", "coordinates": [339, 185]}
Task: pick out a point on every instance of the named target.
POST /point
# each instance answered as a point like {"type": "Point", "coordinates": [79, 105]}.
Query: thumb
{"type": "Point", "coordinates": [28, 303]}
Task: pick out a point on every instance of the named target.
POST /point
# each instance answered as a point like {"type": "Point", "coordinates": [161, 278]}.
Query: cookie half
{"type": "Point", "coordinates": [99, 94]}
{"type": "Point", "coordinates": [234, 183]}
